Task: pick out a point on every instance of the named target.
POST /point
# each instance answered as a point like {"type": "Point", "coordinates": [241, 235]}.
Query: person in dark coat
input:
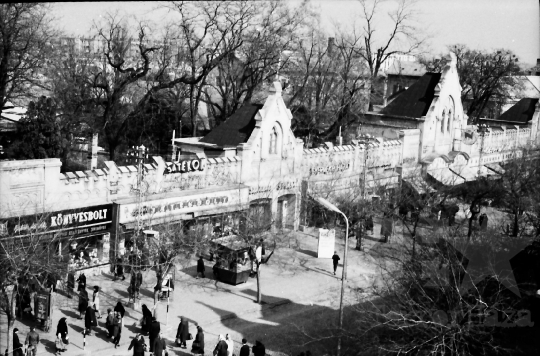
{"type": "Point", "coordinates": [137, 344]}
{"type": "Point", "coordinates": [90, 320]}
{"type": "Point", "coordinates": [119, 269]}
{"type": "Point", "coordinates": [182, 332]}
{"type": "Point", "coordinates": [81, 282]}
{"type": "Point", "coordinates": [62, 329]}
{"type": "Point", "coordinates": [159, 345]}
{"type": "Point", "coordinates": [83, 302]}
{"type": "Point", "coordinates": [258, 349]}
{"type": "Point", "coordinates": [244, 350]}
{"type": "Point", "coordinates": [155, 329]}
{"type": "Point", "coordinates": [200, 267]}
{"type": "Point", "coordinates": [117, 329]}
{"type": "Point", "coordinates": [335, 261]}
{"type": "Point", "coordinates": [146, 320]}
{"type": "Point", "coordinates": [17, 345]}
{"type": "Point", "coordinates": [119, 308]}
{"type": "Point", "coordinates": [369, 224]}
{"type": "Point", "coordinates": [221, 347]}
{"type": "Point", "coordinates": [198, 343]}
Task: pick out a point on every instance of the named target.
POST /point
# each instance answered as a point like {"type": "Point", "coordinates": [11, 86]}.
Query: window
{"type": "Point", "coordinates": [273, 141]}
{"type": "Point", "coordinates": [450, 119]}
{"type": "Point", "coordinates": [442, 121]}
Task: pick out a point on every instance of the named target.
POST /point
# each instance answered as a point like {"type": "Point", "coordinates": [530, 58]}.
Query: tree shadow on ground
{"type": "Point", "coordinates": [70, 313]}
{"type": "Point", "coordinates": [50, 346]}
{"type": "Point", "coordinates": [266, 298]}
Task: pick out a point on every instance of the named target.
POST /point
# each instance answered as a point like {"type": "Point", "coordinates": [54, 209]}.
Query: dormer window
{"type": "Point", "coordinates": [273, 141]}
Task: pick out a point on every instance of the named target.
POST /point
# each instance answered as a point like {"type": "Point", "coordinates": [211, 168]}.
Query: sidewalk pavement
{"type": "Point", "coordinates": [291, 276]}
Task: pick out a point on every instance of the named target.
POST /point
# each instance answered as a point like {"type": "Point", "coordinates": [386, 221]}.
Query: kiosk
{"type": "Point", "coordinates": [233, 265]}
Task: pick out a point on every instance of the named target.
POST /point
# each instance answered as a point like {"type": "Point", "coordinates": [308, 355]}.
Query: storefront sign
{"type": "Point", "coordinates": [63, 223]}
{"type": "Point", "coordinates": [172, 206]}
{"type": "Point", "coordinates": [285, 185]}
{"type": "Point", "coordinates": [185, 166]}
{"type": "Point", "coordinates": [338, 167]}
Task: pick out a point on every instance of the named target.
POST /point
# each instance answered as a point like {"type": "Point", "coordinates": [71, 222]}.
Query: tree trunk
{"type": "Point", "coordinates": [515, 229]}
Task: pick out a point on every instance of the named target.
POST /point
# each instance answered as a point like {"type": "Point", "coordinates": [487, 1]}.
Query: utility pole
{"type": "Point", "coordinates": [139, 154]}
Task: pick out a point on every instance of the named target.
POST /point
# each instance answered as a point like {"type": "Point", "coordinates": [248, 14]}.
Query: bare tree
{"type": "Point", "coordinates": [26, 34]}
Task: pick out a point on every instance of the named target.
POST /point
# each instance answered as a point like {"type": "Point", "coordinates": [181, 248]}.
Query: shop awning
{"type": "Point", "coordinates": [446, 177]}
{"type": "Point", "coordinates": [495, 167]}
{"type": "Point", "coordinates": [420, 186]}
{"type": "Point", "coordinates": [467, 173]}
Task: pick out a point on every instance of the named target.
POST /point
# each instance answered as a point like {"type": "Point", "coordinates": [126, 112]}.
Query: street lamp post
{"type": "Point", "coordinates": [482, 129]}
{"type": "Point", "coordinates": [332, 207]}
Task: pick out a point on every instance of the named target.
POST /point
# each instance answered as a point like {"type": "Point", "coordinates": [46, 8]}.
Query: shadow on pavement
{"type": "Point", "coordinates": [308, 252]}
{"type": "Point", "coordinates": [70, 313]}
{"type": "Point", "coordinates": [50, 346]}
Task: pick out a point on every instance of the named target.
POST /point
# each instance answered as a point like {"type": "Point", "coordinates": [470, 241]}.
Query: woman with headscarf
{"type": "Point", "coordinates": [90, 320]}
{"type": "Point", "coordinates": [81, 282]}
{"type": "Point", "coordinates": [230, 345]}
{"type": "Point", "coordinates": [83, 302]}
{"type": "Point", "coordinates": [182, 332]}
{"type": "Point", "coordinates": [95, 301]}
{"type": "Point", "coordinates": [146, 319]}
{"type": "Point", "coordinates": [17, 345]}
{"type": "Point", "coordinates": [159, 345]}
{"type": "Point", "coordinates": [198, 343]}
{"type": "Point", "coordinates": [119, 308]}
{"type": "Point", "coordinates": [62, 329]}
{"type": "Point", "coordinates": [221, 347]}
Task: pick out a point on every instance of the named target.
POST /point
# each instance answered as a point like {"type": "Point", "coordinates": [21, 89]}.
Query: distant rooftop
{"type": "Point", "coordinates": [236, 129]}
{"type": "Point", "coordinates": [520, 112]}
{"type": "Point", "coordinates": [415, 101]}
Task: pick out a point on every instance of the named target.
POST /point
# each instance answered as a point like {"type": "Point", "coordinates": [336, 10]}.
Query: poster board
{"type": "Point", "coordinates": [327, 243]}
{"type": "Point", "coordinates": [41, 306]}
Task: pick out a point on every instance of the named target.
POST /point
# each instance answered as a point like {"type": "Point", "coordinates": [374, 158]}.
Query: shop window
{"type": "Point", "coordinates": [273, 141]}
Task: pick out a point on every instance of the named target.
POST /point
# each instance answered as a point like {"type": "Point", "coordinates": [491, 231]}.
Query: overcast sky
{"type": "Point", "coordinates": [481, 24]}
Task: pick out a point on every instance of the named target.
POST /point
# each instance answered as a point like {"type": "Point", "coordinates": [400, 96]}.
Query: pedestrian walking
{"type": "Point", "coordinates": [60, 346]}
{"type": "Point", "coordinates": [369, 224]}
{"type": "Point", "coordinates": [230, 345]}
{"type": "Point", "coordinates": [335, 261]}
{"type": "Point", "coordinates": [95, 301]}
{"type": "Point", "coordinates": [160, 346]}
{"type": "Point", "coordinates": [83, 302]}
{"type": "Point", "coordinates": [200, 267]}
{"type": "Point", "coordinates": [146, 320]}
{"type": "Point", "coordinates": [109, 323]}
{"type": "Point", "coordinates": [138, 345]}
{"type": "Point", "coordinates": [90, 320]}
{"type": "Point", "coordinates": [244, 350]}
{"type": "Point", "coordinates": [32, 340]}
{"type": "Point", "coordinates": [81, 282]}
{"type": "Point", "coordinates": [117, 328]}
{"type": "Point", "coordinates": [182, 332]}
{"type": "Point", "coordinates": [155, 329]}
{"type": "Point", "coordinates": [258, 349]}
{"type": "Point", "coordinates": [221, 347]}
{"type": "Point", "coordinates": [62, 329]}
{"type": "Point", "coordinates": [198, 344]}
{"type": "Point", "coordinates": [17, 345]}
{"type": "Point", "coordinates": [119, 308]}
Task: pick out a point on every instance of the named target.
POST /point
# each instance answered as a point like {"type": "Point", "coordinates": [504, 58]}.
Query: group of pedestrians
{"type": "Point", "coordinates": [225, 347]}
{"type": "Point", "coordinates": [31, 343]}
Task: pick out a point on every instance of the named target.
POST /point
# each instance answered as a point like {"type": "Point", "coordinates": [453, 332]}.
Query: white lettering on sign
{"type": "Point", "coordinates": [185, 166]}
{"type": "Point", "coordinates": [73, 218]}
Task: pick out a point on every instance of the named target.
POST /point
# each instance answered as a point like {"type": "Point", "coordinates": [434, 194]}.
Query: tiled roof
{"type": "Point", "coordinates": [522, 111]}
{"type": "Point", "coordinates": [415, 101]}
{"type": "Point", "coordinates": [236, 129]}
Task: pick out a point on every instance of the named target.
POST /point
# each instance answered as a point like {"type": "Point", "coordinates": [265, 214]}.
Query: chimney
{"type": "Point", "coordinates": [331, 43]}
